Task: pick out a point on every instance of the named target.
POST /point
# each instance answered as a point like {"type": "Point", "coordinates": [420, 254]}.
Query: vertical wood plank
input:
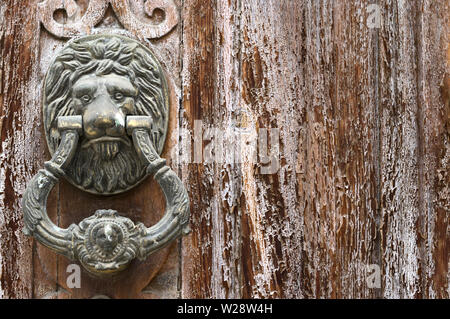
{"type": "Point", "coordinates": [338, 151]}
{"type": "Point", "coordinates": [211, 253]}
{"type": "Point", "coordinates": [434, 123]}
{"type": "Point", "coordinates": [414, 149]}
{"type": "Point", "coordinates": [27, 269]}
{"type": "Point", "coordinates": [299, 228]}
{"type": "Point", "coordinates": [362, 110]}
{"type": "Point", "coordinates": [20, 149]}
{"type": "Point", "coordinates": [400, 151]}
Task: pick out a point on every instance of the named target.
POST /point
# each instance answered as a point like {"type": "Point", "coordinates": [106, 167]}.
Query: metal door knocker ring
{"type": "Point", "coordinates": [100, 91]}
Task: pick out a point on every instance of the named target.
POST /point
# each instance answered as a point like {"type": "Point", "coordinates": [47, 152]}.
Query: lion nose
{"type": "Point", "coordinates": [105, 121]}
{"type": "Point", "coordinates": [103, 118]}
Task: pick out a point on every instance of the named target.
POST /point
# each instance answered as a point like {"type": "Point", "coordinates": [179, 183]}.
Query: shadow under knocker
{"type": "Point", "coordinates": [106, 242]}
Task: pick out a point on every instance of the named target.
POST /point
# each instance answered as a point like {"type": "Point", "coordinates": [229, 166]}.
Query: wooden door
{"type": "Point", "coordinates": [313, 138]}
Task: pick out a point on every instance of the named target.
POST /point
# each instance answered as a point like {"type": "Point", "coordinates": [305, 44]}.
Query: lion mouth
{"type": "Point", "coordinates": [106, 147]}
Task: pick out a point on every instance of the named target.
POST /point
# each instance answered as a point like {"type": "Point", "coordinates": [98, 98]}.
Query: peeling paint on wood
{"type": "Point", "coordinates": [363, 146]}
{"type": "Point", "coordinates": [20, 147]}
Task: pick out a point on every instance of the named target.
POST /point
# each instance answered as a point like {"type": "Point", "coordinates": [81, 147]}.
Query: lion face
{"type": "Point", "coordinates": [104, 102]}
{"type": "Point", "coordinates": [107, 238]}
{"type": "Point", "coordinates": [104, 79]}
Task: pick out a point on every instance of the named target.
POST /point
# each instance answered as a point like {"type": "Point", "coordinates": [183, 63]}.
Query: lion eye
{"type": "Point", "coordinates": [118, 96]}
{"type": "Point", "coordinates": [86, 98]}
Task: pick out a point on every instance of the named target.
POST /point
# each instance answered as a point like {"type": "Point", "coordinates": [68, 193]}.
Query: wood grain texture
{"type": "Point", "coordinates": [414, 123]}
{"type": "Point", "coordinates": [363, 177]}
{"type": "Point", "coordinates": [20, 149]}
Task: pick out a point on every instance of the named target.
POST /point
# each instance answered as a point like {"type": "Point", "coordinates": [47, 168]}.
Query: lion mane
{"type": "Point", "coordinates": [101, 56]}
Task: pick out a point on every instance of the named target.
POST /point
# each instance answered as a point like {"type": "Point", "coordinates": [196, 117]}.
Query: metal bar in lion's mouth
{"type": "Point", "coordinates": [134, 122]}
{"type": "Point", "coordinates": [72, 122]}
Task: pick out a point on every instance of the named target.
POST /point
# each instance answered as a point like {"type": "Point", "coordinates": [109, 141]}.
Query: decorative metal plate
{"type": "Point", "coordinates": [105, 78]}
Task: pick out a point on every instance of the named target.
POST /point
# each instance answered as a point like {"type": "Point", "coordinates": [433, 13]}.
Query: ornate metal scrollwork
{"type": "Point", "coordinates": [105, 242]}
{"type": "Point", "coordinates": [105, 113]}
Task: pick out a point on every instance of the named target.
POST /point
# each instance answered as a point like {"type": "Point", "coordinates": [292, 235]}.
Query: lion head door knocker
{"type": "Point", "coordinates": [105, 113]}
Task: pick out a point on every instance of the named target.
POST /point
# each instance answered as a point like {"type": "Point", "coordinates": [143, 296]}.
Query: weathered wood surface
{"type": "Point", "coordinates": [363, 179]}
{"type": "Point", "coordinates": [363, 115]}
